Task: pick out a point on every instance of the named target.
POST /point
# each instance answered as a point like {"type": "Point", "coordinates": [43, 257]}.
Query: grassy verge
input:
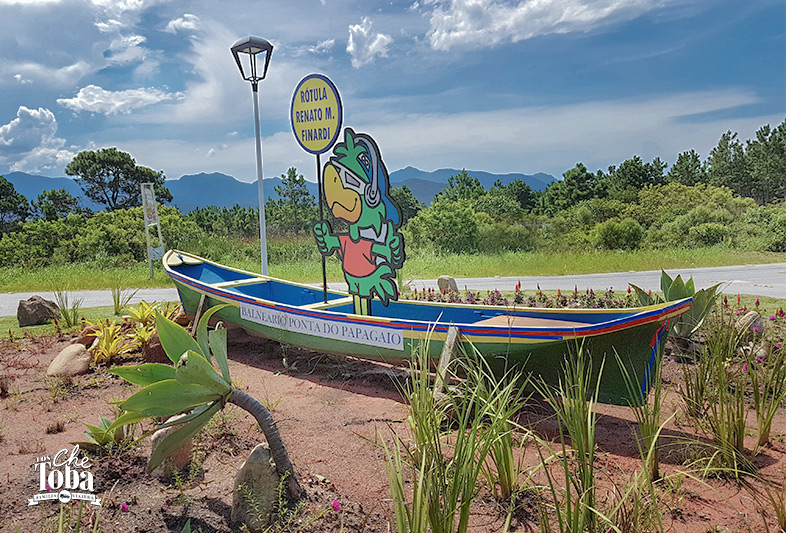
{"type": "Point", "coordinates": [419, 265]}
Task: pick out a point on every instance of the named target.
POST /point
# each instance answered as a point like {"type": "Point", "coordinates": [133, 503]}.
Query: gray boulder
{"type": "Point", "coordinates": [446, 283]}
{"type": "Point", "coordinates": [74, 360]}
{"type": "Point", "coordinates": [750, 326]}
{"type": "Point", "coordinates": [178, 460]}
{"type": "Point", "coordinates": [255, 483]}
{"type": "Point", "coordinates": [36, 310]}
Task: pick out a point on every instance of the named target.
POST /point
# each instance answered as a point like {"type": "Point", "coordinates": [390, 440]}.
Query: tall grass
{"type": "Point", "coordinates": [70, 307]}
{"type": "Point", "coordinates": [648, 412]}
{"type": "Point", "coordinates": [445, 459]}
{"type": "Point", "coordinates": [768, 384]}
{"type": "Point", "coordinates": [714, 395]}
{"type": "Point", "coordinates": [575, 407]}
{"type": "Point", "coordinates": [502, 398]}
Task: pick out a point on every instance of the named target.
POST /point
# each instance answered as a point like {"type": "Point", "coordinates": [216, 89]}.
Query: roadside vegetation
{"type": "Point", "coordinates": [727, 209]}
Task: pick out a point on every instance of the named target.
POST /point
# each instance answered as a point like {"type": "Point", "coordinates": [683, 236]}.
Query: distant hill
{"type": "Point", "coordinates": [201, 190]}
{"type": "Point", "coordinates": [537, 181]}
{"type": "Point", "coordinates": [31, 185]}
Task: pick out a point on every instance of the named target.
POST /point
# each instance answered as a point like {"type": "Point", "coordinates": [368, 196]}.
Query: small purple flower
{"type": "Point", "coordinates": [124, 507]}
{"type": "Point", "coordinates": [755, 330]}
{"type": "Point", "coordinates": [772, 317]}
{"type": "Point", "coordinates": [48, 488]}
{"type": "Point", "coordinates": [779, 345]}
{"type": "Point", "coordinates": [758, 359]}
{"type": "Point", "coordinates": [745, 367]}
{"type": "Point", "coordinates": [336, 505]}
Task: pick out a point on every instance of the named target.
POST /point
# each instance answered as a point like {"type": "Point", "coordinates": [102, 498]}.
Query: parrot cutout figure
{"type": "Point", "coordinates": [357, 190]}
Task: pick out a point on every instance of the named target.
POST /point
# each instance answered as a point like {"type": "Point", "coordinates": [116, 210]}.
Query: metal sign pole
{"type": "Point", "coordinates": [321, 193]}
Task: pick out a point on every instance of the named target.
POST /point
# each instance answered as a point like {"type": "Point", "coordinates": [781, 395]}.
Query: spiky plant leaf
{"type": "Point", "coordinates": [126, 418]}
{"type": "Point", "coordinates": [174, 339]}
{"type": "Point", "coordinates": [146, 374]}
{"type": "Point", "coordinates": [195, 369]}
{"type": "Point", "coordinates": [202, 336]}
{"type": "Point", "coordinates": [643, 296]}
{"type": "Point", "coordinates": [218, 345]}
{"type": "Point", "coordinates": [175, 440]}
{"type": "Point", "coordinates": [168, 397]}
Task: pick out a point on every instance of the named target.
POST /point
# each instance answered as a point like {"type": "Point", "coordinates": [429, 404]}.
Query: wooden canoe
{"type": "Point", "coordinates": [537, 339]}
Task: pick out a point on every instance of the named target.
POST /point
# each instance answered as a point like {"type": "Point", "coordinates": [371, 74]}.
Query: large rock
{"type": "Point", "coordinates": [87, 336]}
{"type": "Point", "coordinates": [153, 352]}
{"type": "Point", "coordinates": [181, 318]}
{"type": "Point", "coordinates": [751, 325]}
{"type": "Point", "coordinates": [178, 460]}
{"type": "Point", "coordinates": [256, 480]}
{"type": "Point", "coordinates": [36, 310]}
{"type": "Point", "coordinates": [74, 360]}
{"type": "Point", "coordinates": [446, 283]}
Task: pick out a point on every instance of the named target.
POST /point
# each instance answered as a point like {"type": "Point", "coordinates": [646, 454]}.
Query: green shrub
{"type": "Point", "coordinates": [709, 233]}
{"type": "Point", "coordinates": [625, 234]}
{"type": "Point", "coordinates": [450, 226]}
{"type": "Point", "coordinates": [501, 237]}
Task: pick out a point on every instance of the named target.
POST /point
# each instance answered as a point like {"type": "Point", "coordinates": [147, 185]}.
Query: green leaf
{"type": "Point", "coordinates": [642, 296]}
{"type": "Point", "coordinates": [167, 398]}
{"type": "Point", "coordinates": [146, 374]}
{"type": "Point", "coordinates": [175, 440]}
{"type": "Point", "coordinates": [183, 419]}
{"type": "Point", "coordinates": [690, 287]}
{"type": "Point", "coordinates": [195, 369]}
{"type": "Point", "coordinates": [204, 321]}
{"type": "Point", "coordinates": [218, 344]}
{"type": "Point", "coordinates": [665, 283]}
{"type": "Point", "coordinates": [125, 419]}
{"type": "Point", "coordinates": [677, 290]}
{"type": "Point", "coordinates": [174, 339]}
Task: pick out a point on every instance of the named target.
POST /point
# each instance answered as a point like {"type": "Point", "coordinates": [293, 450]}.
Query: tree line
{"type": "Point", "coordinates": [734, 197]}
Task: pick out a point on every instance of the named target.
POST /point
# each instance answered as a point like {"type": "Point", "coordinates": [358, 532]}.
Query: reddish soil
{"type": "Point", "coordinates": [327, 409]}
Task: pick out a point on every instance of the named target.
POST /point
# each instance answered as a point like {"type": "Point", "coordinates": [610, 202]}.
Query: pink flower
{"type": "Point", "coordinates": [779, 345]}
{"type": "Point", "coordinates": [745, 367]}
{"type": "Point", "coordinates": [48, 487]}
{"type": "Point", "coordinates": [756, 330]}
{"type": "Point", "coordinates": [758, 359]}
{"type": "Point", "coordinates": [124, 507]}
{"type": "Point", "coordinates": [336, 505]}
{"type": "Point", "coordinates": [772, 317]}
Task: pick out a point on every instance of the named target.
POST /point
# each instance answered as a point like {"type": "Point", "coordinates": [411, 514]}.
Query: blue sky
{"type": "Point", "coordinates": [497, 85]}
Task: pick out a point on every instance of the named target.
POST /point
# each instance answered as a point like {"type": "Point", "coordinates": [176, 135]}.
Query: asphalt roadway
{"type": "Point", "coordinates": [758, 280]}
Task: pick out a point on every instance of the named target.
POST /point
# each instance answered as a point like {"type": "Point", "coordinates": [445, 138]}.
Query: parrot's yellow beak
{"type": "Point", "coordinates": [342, 201]}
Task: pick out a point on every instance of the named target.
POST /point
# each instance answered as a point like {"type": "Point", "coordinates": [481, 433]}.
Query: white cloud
{"type": "Point", "coordinates": [95, 99]}
{"type": "Point", "coordinates": [109, 26]}
{"type": "Point", "coordinates": [553, 138]}
{"type": "Point", "coordinates": [29, 143]}
{"type": "Point", "coordinates": [66, 76]}
{"type": "Point", "coordinates": [465, 23]}
{"type": "Point", "coordinates": [322, 47]}
{"type": "Point", "coordinates": [28, 2]}
{"type": "Point", "coordinates": [126, 49]}
{"type": "Point", "coordinates": [187, 22]}
{"type": "Point", "coordinates": [364, 46]}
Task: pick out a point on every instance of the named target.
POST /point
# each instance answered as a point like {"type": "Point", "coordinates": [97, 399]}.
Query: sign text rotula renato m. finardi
{"type": "Point", "coordinates": [316, 113]}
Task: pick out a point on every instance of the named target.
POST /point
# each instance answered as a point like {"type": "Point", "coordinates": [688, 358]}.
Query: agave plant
{"type": "Point", "coordinates": [193, 386]}
{"type": "Point", "coordinates": [676, 289]}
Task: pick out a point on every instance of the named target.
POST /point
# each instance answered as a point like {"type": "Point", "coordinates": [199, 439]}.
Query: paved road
{"type": "Point", "coordinates": [759, 280]}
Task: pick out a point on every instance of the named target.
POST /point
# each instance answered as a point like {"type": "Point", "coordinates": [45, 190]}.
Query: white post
{"type": "Point", "coordinates": [260, 174]}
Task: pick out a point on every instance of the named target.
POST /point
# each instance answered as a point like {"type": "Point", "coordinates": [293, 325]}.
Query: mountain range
{"type": "Point", "coordinates": [200, 190]}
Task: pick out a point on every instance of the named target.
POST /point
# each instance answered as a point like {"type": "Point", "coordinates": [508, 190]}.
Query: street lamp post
{"type": "Point", "coordinates": [253, 46]}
